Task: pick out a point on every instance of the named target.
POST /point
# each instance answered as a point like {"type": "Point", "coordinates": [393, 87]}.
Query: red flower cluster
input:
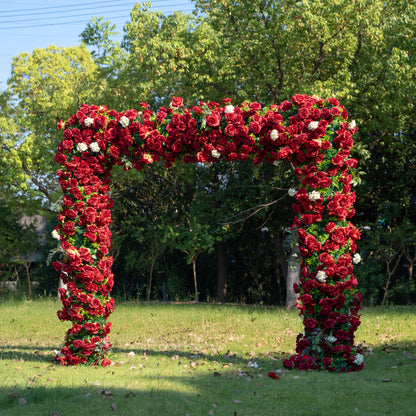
{"type": "Point", "coordinates": [310, 132]}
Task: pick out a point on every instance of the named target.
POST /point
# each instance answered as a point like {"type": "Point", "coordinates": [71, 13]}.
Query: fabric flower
{"type": "Point", "coordinates": [82, 147]}
{"type": "Point", "coordinates": [124, 121]}
{"type": "Point", "coordinates": [215, 153]}
{"type": "Point", "coordinates": [95, 147]}
{"type": "Point", "coordinates": [292, 192]}
{"type": "Point", "coordinates": [314, 196]}
{"type": "Point", "coordinates": [88, 121]}
{"type": "Point", "coordinates": [331, 339]}
{"type": "Point", "coordinates": [176, 102]}
{"type": "Point", "coordinates": [359, 359]}
{"type": "Point", "coordinates": [56, 235]}
{"type": "Point", "coordinates": [274, 134]}
{"type": "Point", "coordinates": [273, 375]}
{"type": "Point", "coordinates": [321, 276]}
{"type": "Point", "coordinates": [356, 259]}
{"type": "Point", "coordinates": [229, 109]}
{"type": "Point", "coordinates": [313, 125]}
{"type": "Point", "coordinates": [352, 125]}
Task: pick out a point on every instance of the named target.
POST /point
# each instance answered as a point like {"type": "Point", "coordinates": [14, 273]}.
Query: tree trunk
{"type": "Point", "coordinates": [149, 286]}
{"type": "Point", "coordinates": [281, 255]}
{"type": "Point", "coordinates": [390, 273]}
{"type": "Point", "coordinates": [222, 276]}
{"type": "Point", "coordinates": [195, 281]}
{"type": "Point", "coordinates": [61, 285]}
{"type": "Point", "coordinates": [27, 266]}
{"type": "Point", "coordinates": [293, 270]}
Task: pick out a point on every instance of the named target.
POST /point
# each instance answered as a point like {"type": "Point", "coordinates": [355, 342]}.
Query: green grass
{"type": "Point", "coordinates": [202, 359]}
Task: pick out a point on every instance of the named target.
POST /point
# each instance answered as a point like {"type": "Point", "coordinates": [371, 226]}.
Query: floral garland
{"type": "Point", "coordinates": [311, 133]}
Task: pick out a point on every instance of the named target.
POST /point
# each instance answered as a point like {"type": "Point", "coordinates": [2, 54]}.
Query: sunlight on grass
{"type": "Point", "coordinates": [201, 359]}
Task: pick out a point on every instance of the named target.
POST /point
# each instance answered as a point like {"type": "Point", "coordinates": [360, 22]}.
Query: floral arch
{"type": "Point", "coordinates": [311, 133]}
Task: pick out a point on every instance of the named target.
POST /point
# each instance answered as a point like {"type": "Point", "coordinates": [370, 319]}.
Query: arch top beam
{"type": "Point", "coordinates": [311, 133]}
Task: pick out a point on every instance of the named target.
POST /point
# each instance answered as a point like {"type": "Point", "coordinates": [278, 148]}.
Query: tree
{"type": "Point", "coordinates": [44, 87]}
{"type": "Point", "coordinates": [18, 243]}
{"type": "Point", "coordinates": [266, 50]}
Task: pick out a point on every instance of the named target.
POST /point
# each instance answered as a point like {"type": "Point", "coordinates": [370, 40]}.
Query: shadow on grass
{"type": "Point", "coordinates": [47, 354]}
{"type": "Point", "coordinates": [385, 386]}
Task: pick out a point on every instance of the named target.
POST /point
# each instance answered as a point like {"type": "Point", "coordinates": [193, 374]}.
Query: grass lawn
{"type": "Point", "coordinates": [201, 359]}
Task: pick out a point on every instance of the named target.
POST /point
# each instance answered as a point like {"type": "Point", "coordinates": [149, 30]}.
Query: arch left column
{"type": "Point", "coordinates": [85, 238]}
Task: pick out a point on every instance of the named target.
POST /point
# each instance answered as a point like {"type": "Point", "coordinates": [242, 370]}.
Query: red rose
{"type": "Point", "coordinates": [285, 153]}
{"type": "Point", "coordinates": [310, 324]}
{"type": "Point", "coordinates": [329, 323]}
{"type": "Point", "coordinates": [69, 228]}
{"type": "Point", "coordinates": [92, 327]}
{"type": "Point", "coordinates": [342, 319]}
{"type": "Point", "coordinates": [90, 215]}
{"type": "Point", "coordinates": [303, 113]}
{"type": "Point", "coordinates": [214, 119]}
{"type": "Point", "coordinates": [306, 298]}
{"type": "Point", "coordinates": [95, 303]}
{"type": "Point", "coordinates": [176, 102]}
{"type": "Point", "coordinates": [255, 106]}
{"type": "Point", "coordinates": [255, 127]}
{"type": "Point", "coordinates": [114, 152]}
{"type": "Point", "coordinates": [106, 362]}
{"type": "Point", "coordinates": [273, 375]}
{"type": "Point", "coordinates": [341, 335]}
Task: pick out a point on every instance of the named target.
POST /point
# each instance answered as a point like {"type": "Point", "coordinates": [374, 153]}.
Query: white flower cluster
{"type": "Point", "coordinates": [124, 121]}
{"type": "Point", "coordinates": [313, 125]}
{"type": "Point", "coordinates": [56, 235]}
{"type": "Point", "coordinates": [359, 359]}
{"type": "Point", "coordinates": [314, 196]}
{"type": "Point", "coordinates": [356, 259]}
{"type": "Point", "coordinates": [321, 276]}
{"type": "Point", "coordinates": [95, 147]}
{"type": "Point", "coordinates": [274, 134]}
{"type": "Point", "coordinates": [229, 109]}
{"type": "Point", "coordinates": [292, 192]}
{"type": "Point", "coordinates": [352, 125]}
{"type": "Point", "coordinates": [88, 121]}
{"type": "Point", "coordinates": [331, 339]}
{"type": "Point", "coordinates": [215, 153]}
{"type": "Point", "coordinates": [82, 147]}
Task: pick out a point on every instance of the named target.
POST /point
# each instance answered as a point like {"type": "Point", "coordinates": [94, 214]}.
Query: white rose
{"type": "Point", "coordinates": [82, 147]}
{"type": "Point", "coordinates": [314, 196]}
{"type": "Point", "coordinates": [292, 192]}
{"type": "Point", "coordinates": [274, 134]}
{"type": "Point", "coordinates": [95, 147]}
{"type": "Point", "coordinates": [56, 235]}
{"type": "Point", "coordinates": [331, 339]}
{"type": "Point", "coordinates": [356, 259]}
{"type": "Point", "coordinates": [352, 125]}
{"type": "Point", "coordinates": [313, 125]}
{"type": "Point", "coordinates": [215, 153]}
{"type": "Point", "coordinates": [124, 121]}
{"type": "Point", "coordinates": [359, 359]}
{"type": "Point", "coordinates": [321, 276]}
{"type": "Point", "coordinates": [88, 121]}
{"type": "Point", "coordinates": [229, 109]}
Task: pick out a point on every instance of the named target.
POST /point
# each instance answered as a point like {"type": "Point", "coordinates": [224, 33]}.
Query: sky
{"type": "Point", "coordinates": [29, 24]}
